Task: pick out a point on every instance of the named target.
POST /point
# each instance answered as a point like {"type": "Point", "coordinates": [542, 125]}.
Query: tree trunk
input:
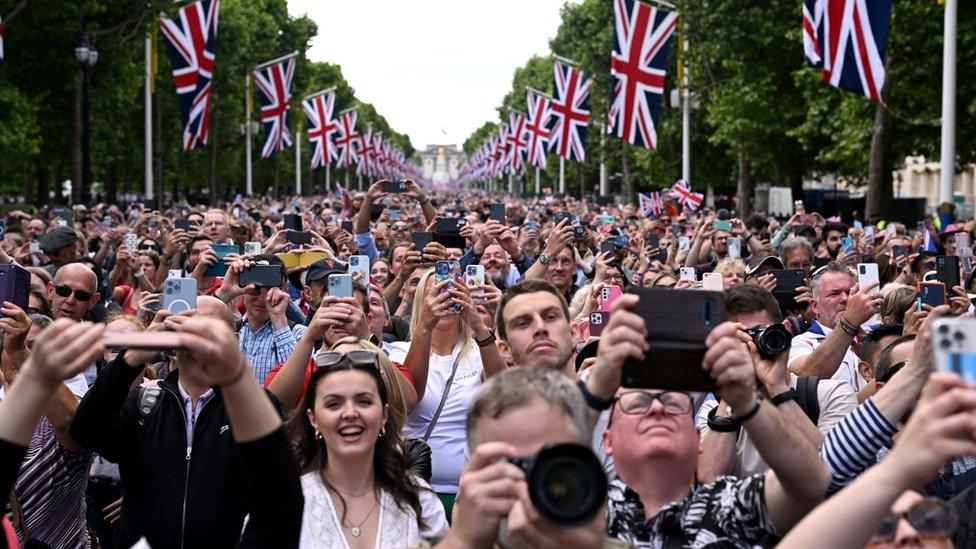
{"type": "Point", "coordinates": [157, 137]}
{"type": "Point", "coordinates": [75, 143]}
{"type": "Point", "coordinates": [43, 178]}
{"type": "Point", "coordinates": [745, 185]}
{"type": "Point", "coordinates": [214, 121]}
{"type": "Point", "coordinates": [626, 185]}
{"type": "Point", "coordinates": [111, 183]}
{"type": "Point", "coordinates": [879, 196]}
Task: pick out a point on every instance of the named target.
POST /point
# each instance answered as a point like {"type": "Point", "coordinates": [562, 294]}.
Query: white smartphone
{"type": "Point", "coordinates": [684, 243]}
{"type": "Point", "coordinates": [130, 242]}
{"type": "Point", "coordinates": [735, 247]}
{"type": "Point", "coordinates": [962, 240]}
{"type": "Point", "coordinates": [474, 275]}
{"type": "Point", "coordinates": [688, 273]}
{"type": "Point", "coordinates": [252, 248]}
{"type": "Point", "coordinates": [35, 247]}
{"type": "Point", "coordinates": [713, 282]}
{"type": "Point", "coordinates": [180, 294]}
{"type": "Point", "coordinates": [359, 268]}
{"type": "Point", "coordinates": [174, 273]}
{"type": "Point", "coordinates": [966, 260]}
{"type": "Point", "coordinates": [954, 342]}
{"type": "Point", "coordinates": [866, 274]}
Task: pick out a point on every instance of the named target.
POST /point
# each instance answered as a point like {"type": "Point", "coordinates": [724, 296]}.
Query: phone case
{"type": "Point", "coordinates": [475, 275]}
{"type": "Point", "coordinates": [179, 294]}
{"type": "Point", "coordinates": [448, 270]}
{"type": "Point", "coordinates": [688, 273]}
{"type": "Point", "coordinates": [713, 282]}
{"type": "Point", "coordinates": [498, 213]}
{"type": "Point", "coordinates": [130, 242]}
{"type": "Point", "coordinates": [222, 251]}
{"type": "Point", "coordinates": [359, 268]}
{"type": "Point", "coordinates": [947, 270]}
{"type": "Point", "coordinates": [954, 342]}
{"type": "Point", "coordinates": [598, 321]}
{"type": "Point", "coordinates": [866, 274]}
{"type": "Point", "coordinates": [735, 248]}
{"type": "Point", "coordinates": [677, 324]}
{"type": "Point", "coordinates": [340, 285]}
{"type": "Point", "coordinates": [608, 294]}
{"type": "Point", "coordinates": [15, 283]}
{"type": "Point", "coordinates": [262, 276]}
{"type": "Point", "coordinates": [932, 293]}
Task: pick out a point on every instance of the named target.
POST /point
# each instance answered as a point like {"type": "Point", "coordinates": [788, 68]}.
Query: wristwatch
{"type": "Point", "coordinates": [544, 258]}
{"type": "Point", "coordinates": [488, 340]}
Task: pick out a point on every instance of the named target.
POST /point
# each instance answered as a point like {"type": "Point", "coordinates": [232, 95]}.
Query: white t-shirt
{"type": "Point", "coordinates": [449, 438]}
{"type": "Point", "coordinates": [805, 343]}
{"type": "Point", "coordinates": [77, 384]}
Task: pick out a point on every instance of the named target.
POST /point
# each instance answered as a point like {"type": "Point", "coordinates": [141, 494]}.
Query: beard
{"type": "Point", "coordinates": [499, 280]}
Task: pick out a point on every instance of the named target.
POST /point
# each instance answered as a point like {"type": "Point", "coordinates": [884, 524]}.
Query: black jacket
{"type": "Point", "coordinates": [173, 494]}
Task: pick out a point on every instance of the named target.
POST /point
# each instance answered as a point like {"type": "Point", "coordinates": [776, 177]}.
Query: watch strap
{"type": "Point", "coordinates": [593, 401]}
{"type": "Point", "coordinates": [784, 397]}
{"type": "Point", "coordinates": [722, 424]}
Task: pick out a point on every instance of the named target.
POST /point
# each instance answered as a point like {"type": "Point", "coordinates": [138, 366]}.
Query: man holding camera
{"type": "Point", "coordinates": [557, 262]}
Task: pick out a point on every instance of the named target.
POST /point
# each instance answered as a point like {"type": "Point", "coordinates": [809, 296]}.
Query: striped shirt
{"type": "Point", "coordinates": [51, 491]}
{"type": "Point", "coordinates": [853, 444]}
{"type": "Point", "coordinates": [266, 347]}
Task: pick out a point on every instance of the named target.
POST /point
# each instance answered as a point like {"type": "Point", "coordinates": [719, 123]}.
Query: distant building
{"type": "Point", "coordinates": [440, 163]}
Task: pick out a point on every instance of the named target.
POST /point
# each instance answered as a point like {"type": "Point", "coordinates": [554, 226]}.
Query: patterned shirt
{"type": "Point", "coordinates": [728, 512]}
{"type": "Point", "coordinates": [266, 347]}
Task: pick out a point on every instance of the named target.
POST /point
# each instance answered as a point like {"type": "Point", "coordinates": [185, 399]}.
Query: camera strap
{"type": "Point", "coordinates": [447, 391]}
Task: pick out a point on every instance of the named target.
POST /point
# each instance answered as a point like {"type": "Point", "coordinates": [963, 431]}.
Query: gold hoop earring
{"type": "Point", "coordinates": [382, 430]}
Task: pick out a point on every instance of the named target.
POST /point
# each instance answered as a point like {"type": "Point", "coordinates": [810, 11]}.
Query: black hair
{"type": "Point", "coordinates": [883, 368]}
{"type": "Point", "coordinates": [874, 337]}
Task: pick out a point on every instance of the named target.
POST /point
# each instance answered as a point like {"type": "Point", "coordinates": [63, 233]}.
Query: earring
{"type": "Point", "coordinates": [318, 435]}
{"type": "Point", "coordinates": [382, 430]}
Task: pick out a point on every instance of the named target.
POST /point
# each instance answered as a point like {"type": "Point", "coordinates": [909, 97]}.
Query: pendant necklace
{"type": "Point", "coordinates": [356, 529]}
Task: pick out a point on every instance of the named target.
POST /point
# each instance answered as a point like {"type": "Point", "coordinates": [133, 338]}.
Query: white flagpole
{"type": "Point", "coordinates": [948, 175]}
{"type": "Point", "coordinates": [537, 180]}
{"type": "Point", "coordinates": [298, 158]}
{"type": "Point", "coordinates": [359, 177]}
{"type": "Point", "coordinates": [328, 178]}
{"type": "Point", "coordinates": [148, 124]}
{"type": "Point", "coordinates": [247, 135]}
{"type": "Point", "coordinates": [604, 182]}
{"type": "Point", "coordinates": [685, 118]}
{"type": "Point", "coordinates": [511, 184]}
{"type": "Point", "coordinates": [562, 175]}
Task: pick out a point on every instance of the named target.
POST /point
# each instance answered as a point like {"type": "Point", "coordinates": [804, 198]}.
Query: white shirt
{"type": "Point", "coordinates": [78, 385]}
{"type": "Point", "coordinates": [321, 528]}
{"type": "Point", "coordinates": [804, 344]}
{"type": "Point", "coordinates": [449, 438]}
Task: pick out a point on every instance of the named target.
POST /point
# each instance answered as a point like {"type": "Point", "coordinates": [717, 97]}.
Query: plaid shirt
{"type": "Point", "coordinates": [265, 348]}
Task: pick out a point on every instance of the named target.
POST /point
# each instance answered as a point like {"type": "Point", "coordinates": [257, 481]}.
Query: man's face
{"type": "Point", "coordinates": [905, 534]}
{"type": "Point", "coordinates": [399, 233]}
{"type": "Point", "coordinates": [561, 269]}
{"type": "Point", "coordinates": [752, 319]}
{"type": "Point", "coordinates": [799, 258]}
{"type": "Point", "coordinates": [454, 254]}
{"type": "Point", "coordinates": [633, 439]}
{"type": "Point", "coordinates": [494, 261]}
{"type": "Point", "coordinates": [256, 306]}
{"type": "Point", "coordinates": [409, 289]}
{"type": "Point", "coordinates": [537, 332]}
{"type": "Point", "coordinates": [194, 254]}
{"type": "Point", "coordinates": [867, 363]}
{"type": "Point", "coordinates": [378, 313]}
{"type": "Point", "coordinates": [216, 227]}
{"type": "Point", "coordinates": [830, 300]}
{"type": "Point", "coordinates": [949, 242]}
{"type": "Point", "coordinates": [720, 243]}
{"type": "Point", "coordinates": [33, 228]}
{"type": "Point", "coordinates": [314, 291]}
{"type": "Point", "coordinates": [381, 236]}
{"type": "Point", "coordinates": [70, 306]}
{"type": "Point", "coordinates": [528, 428]}
{"type": "Point", "coordinates": [833, 240]}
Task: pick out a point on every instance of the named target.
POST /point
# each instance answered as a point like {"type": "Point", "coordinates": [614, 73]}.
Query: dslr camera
{"type": "Point", "coordinates": [567, 484]}
{"type": "Point", "coordinates": [771, 341]}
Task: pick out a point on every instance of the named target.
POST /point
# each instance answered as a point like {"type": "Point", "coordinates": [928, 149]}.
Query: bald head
{"type": "Point", "coordinates": [211, 307]}
{"type": "Point", "coordinates": [79, 272]}
{"type": "Point", "coordinates": [73, 291]}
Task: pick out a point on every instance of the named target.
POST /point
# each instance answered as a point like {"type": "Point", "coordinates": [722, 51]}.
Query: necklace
{"type": "Point", "coordinates": [356, 529]}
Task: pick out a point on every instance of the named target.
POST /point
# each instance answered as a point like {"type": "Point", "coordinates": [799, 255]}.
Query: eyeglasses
{"type": "Point", "coordinates": [360, 357]}
{"type": "Point", "coordinates": [886, 377]}
{"type": "Point", "coordinates": [399, 227]}
{"type": "Point", "coordinates": [80, 295]}
{"type": "Point", "coordinates": [930, 517]}
{"type": "Point", "coordinates": [639, 402]}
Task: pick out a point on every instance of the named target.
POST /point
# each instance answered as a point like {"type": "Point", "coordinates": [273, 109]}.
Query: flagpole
{"type": "Point", "coordinates": [247, 135]}
{"type": "Point", "coordinates": [604, 182]}
{"type": "Point", "coordinates": [298, 157]}
{"type": "Point", "coordinates": [685, 115]}
{"type": "Point", "coordinates": [511, 184]}
{"type": "Point", "coordinates": [562, 175]}
{"type": "Point", "coordinates": [276, 60]}
{"type": "Point", "coordinates": [537, 180]}
{"type": "Point", "coordinates": [148, 120]}
{"type": "Point", "coordinates": [328, 182]}
{"type": "Point", "coordinates": [948, 175]}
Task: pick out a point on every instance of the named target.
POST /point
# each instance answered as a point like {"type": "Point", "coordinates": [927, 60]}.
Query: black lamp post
{"type": "Point", "coordinates": [87, 56]}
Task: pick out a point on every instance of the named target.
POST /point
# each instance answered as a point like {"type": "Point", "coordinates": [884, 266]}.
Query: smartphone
{"type": "Point", "coordinates": [684, 243]}
{"type": "Point", "coordinates": [722, 225]}
{"type": "Point", "coordinates": [222, 251]}
{"type": "Point", "coordinates": [421, 240]}
{"type": "Point", "coordinates": [598, 321]}
{"type": "Point", "coordinates": [962, 240]}
{"type": "Point", "coordinates": [899, 251]}
{"type": "Point", "coordinates": [787, 281]}
{"type": "Point", "coordinates": [677, 324]}
{"type": "Point", "coordinates": [174, 273]}
{"type": "Point", "coordinates": [561, 216]}
{"type": "Point", "coordinates": [858, 224]}
{"type": "Point", "coordinates": [293, 222]}
{"type": "Point", "coordinates": [347, 226]}
{"type": "Point", "coordinates": [947, 270]}
{"type": "Point", "coordinates": [252, 248]}
{"type": "Point", "coordinates": [183, 224]}
{"type": "Point", "coordinates": [713, 282]}
{"type": "Point", "coordinates": [447, 232]}
{"type": "Point", "coordinates": [847, 243]}
{"type": "Point", "coordinates": [394, 215]}
{"type": "Point", "coordinates": [966, 260]}
{"type": "Point", "coordinates": [130, 242]}
{"type": "Point", "coordinates": [359, 268]}
{"type": "Point", "coordinates": [932, 293]}
{"type": "Point", "coordinates": [35, 247]}
{"type": "Point", "coordinates": [735, 247]}
{"type": "Point", "coordinates": [675, 230]}
{"type": "Point", "coordinates": [142, 340]}
{"type": "Point", "coordinates": [447, 225]}
{"type": "Point", "coordinates": [866, 274]}
{"type": "Point", "coordinates": [267, 231]}
{"type": "Point", "coordinates": [448, 270]}
{"type": "Point", "coordinates": [954, 342]}
{"type": "Point", "coordinates": [608, 294]}
{"type": "Point", "coordinates": [395, 186]}
{"type": "Point", "coordinates": [653, 240]}
{"type": "Point", "coordinates": [262, 276]}
{"type": "Point", "coordinates": [299, 237]}
{"type": "Point", "coordinates": [533, 225]}
{"type": "Point", "coordinates": [497, 213]}
{"type": "Point", "coordinates": [688, 273]}
{"type": "Point", "coordinates": [869, 231]}
{"type": "Point", "coordinates": [608, 246]}
{"type": "Point", "coordinates": [920, 227]}
{"type": "Point", "coordinates": [15, 283]}
{"type": "Point", "coordinates": [340, 285]}
{"type": "Point", "coordinates": [474, 277]}
{"type": "Point", "coordinates": [179, 294]}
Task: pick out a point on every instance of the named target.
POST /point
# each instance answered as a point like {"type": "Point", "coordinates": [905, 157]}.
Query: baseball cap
{"type": "Point", "coordinates": [323, 268]}
{"type": "Point", "coordinates": [57, 238]}
{"type": "Point", "coordinates": [770, 261]}
{"type": "Point", "coordinates": [953, 228]}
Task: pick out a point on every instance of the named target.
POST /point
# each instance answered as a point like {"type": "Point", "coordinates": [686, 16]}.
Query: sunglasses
{"type": "Point", "coordinates": [80, 295]}
{"type": "Point", "coordinates": [930, 517]}
{"type": "Point", "coordinates": [361, 357]}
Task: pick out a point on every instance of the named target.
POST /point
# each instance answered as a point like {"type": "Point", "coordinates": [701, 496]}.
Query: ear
{"type": "Point", "coordinates": [866, 370]}
{"type": "Point", "coordinates": [505, 351]}
{"type": "Point", "coordinates": [574, 331]}
{"type": "Point", "coordinates": [95, 300]}
{"type": "Point", "coordinates": [311, 418]}
{"type": "Point", "coordinates": [607, 442]}
{"type": "Point", "coordinates": [50, 288]}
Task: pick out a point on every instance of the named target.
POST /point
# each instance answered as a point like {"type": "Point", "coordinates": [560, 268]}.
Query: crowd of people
{"type": "Point", "coordinates": [159, 391]}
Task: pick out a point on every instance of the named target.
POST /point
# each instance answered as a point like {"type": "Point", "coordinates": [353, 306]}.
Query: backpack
{"type": "Point", "coordinates": [148, 399]}
{"type": "Point", "coordinates": [806, 397]}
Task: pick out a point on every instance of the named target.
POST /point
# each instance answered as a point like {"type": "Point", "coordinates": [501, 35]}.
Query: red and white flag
{"type": "Point", "coordinates": [274, 92]}
{"type": "Point", "coordinates": [681, 191]}
{"type": "Point", "coordinates": [537, 128]}
{"type": "Point", "coordinates": [515, 143]}
{"type": "Point", "coordinates": [321, 127]}
{"type": "Point", "coordinates": [651, 204]}
{"type": "Point", "coordinates": [348, 141]}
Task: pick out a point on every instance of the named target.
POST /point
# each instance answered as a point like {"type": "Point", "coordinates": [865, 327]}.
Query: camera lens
{"type": "Point", "coordinates": [567, 484]}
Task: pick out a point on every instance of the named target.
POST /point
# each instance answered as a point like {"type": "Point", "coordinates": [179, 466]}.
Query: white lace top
{"type": "Point", "coordinates": [397, 527]}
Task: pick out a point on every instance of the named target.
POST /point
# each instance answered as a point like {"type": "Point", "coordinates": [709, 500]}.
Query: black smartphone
{"type": "Point", "coordinates": [607, 246]}
{"type": "Point", "coordinates": [15, 283]}
{"type": "Point", "coordinates": [932, 293]}
{"type": "Point", "coordinates": [293, 222]}
{"type": "Point", "coordinates": [560, 216]}
{"type": "Point", "coordinates": [899, 251]}
{"type": "Point", "coordinates": [299, 237]}
{"type": "Point", "coordinates": [394, 186]}
{"type": "Point", "coordinates": [447, 225]}
{"type": "Point", "coordinates": [421, 240]}
{"type": "Point", "coordinates": [267, 231]}
{"type": "Point", "coordinates": [347, 226]}
{"type": "Point", "coordinates": [262, 276]}
{"type": "Point", "coordinates": [947, 271]}
{"type": "Point", "coordinates": [676, 230]}
{"type": "Point", "coordinates": [787, 281]}
{"type": "Point", "coordinates": [498, 213]}
{"type": "Point", "coordinates": [653, 240]}
{"type": "Point", "coordinates": [183, 224]}
{"type": "Point", "coordinates": [677, 325]}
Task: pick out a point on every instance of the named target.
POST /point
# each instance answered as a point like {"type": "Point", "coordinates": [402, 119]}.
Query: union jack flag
{"type": "Point", "coordinates": [570, 112]}
{"type": "Point", "coordinates": [348, 140]}
{"type": "Point", "coordinates": [651, 204]}
{"type": "Point", "coordinates": [642, 36]}
{"type": "Point", "coordinates": [321, 127]}
{"type": "Point", "coordinates": [848, 40]}
{"type": "Point", "coordinates": [537, 128]}
{"type": "Point", "coordinates": [367, 156]}
{"type": "Point", "coordinates": [1, 38]}
{"type": "Point", "coordinates": [515, 141]}
{"type": "Point", "coordinates": [500, 166]}
{"type": "Point", "coordinates": [191, 42]}
{"type": "Point", "coordinates": [274, 84]}
{"type": "Point", "coordinates": [681, 191]}
{"type": "Point", "coordinates": [379, 154]}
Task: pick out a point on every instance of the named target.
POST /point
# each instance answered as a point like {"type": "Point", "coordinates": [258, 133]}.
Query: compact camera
{"type": "Point", "coordinates": [771, 341]}
{"type": "Point", "coordinates": [567, 483]}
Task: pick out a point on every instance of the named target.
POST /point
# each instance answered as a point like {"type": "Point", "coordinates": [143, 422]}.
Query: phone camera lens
{"type": "Point", "coordinates": [959, 336]}
{"type": "Point", "coordinates": [945, 344]}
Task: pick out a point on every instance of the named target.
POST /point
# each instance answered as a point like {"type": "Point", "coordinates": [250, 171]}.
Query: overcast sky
{"type": "Point", "coordinates": [436, 69]}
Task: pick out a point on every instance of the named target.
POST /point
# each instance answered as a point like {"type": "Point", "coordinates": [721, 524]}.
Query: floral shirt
{"type": "Point", "coordinates": [728, 512]}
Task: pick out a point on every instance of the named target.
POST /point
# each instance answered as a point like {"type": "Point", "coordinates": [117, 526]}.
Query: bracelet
{"type": "Point", "coordinates": [593, 401]}
{"type": "Point", "coordinates": [487, 340]}
{"type": "Point", "coordinates": [848, 328]}
{"type": "Point", "coordinates": [784, 397]}
{"type": "Point", "coordinates": [722, 424]}
{"type": "Point", "coordinates": [750, 414]}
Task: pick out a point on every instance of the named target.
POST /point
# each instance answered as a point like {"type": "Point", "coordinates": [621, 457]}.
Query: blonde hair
{"type": "Point", "coordinates": [388, 372]}
{"type": "Point", "coordinates": [464, 336]}
{"type": "Point", "coordinates": [728, 264]}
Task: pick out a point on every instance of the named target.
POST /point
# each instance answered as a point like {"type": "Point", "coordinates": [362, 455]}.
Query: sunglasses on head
{"type": "Point", "coordinates": [360, 357]}
{"type": "Point", "coordinates": [930, 517]}
{"type": "Point", "coordinates": [80, 295]}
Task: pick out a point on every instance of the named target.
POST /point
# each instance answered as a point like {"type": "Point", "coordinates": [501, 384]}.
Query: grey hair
{"type": "Point", "coordinates": [832, 267]}
{"type": "Point", "coordinates": [39, 320]}
{"type": "Point", "coordinates": [517, 387]}
{"type": "Point", "coordinates": [790, 244]}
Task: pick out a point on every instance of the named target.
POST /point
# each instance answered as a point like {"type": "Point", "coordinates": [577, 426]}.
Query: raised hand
{"type": "Point", "coordinates": [64, 349]}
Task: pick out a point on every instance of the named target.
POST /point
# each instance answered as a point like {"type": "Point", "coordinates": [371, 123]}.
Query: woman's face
{"type": "Point", "coordinates": [148, 266]}
{"type": "Point", "coordinates": [117, 326]}
{"type": "Point", "coordinates": [663, 281]}
{"type": "Point", "coordinates": [380, 273]}
{"type": "Point", "coordinates": [348, 412]}
{"type": "Point", "coordinates": [732, 276]}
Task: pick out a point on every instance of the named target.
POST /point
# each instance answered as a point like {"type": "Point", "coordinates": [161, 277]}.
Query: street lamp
{"type": "Point", "coordinates": [87, 56]}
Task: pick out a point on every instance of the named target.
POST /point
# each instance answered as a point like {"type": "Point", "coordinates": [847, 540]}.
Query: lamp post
{"type": "Point", "coordinates": [87, 56]}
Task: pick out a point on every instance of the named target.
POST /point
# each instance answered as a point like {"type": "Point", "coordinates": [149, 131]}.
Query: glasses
{"type": "Point", "coordinates": [639, 402]}
{"type": "Point", "coordinates": [930, 517]}
{"type": "Point", "coordinates": [886, 377]}
{"type": "Point", "coordinates": [361, 357]}
{"type": "Point", "coordinates": [80, 295]}
{"type": "Point", "coordinates": [399, 227]}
